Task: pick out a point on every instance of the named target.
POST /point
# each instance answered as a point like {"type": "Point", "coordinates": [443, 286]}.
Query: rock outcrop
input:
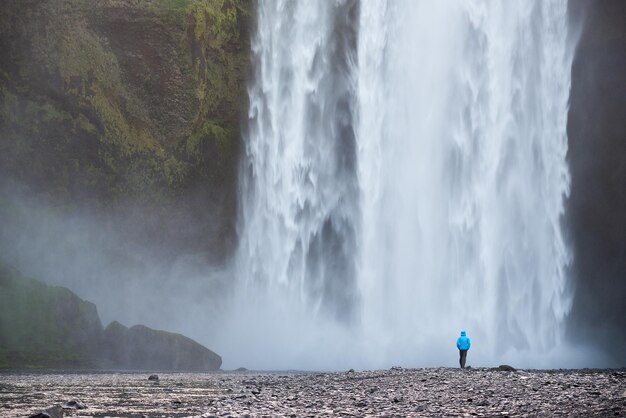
{"type": "Point", "coordinates": [43, 326]}
{"type": "Point", "coordinates": [140, 347]}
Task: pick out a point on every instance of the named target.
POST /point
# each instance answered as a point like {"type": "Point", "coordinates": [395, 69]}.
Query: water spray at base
{"type": "Point", "coordinates": [404, 177]}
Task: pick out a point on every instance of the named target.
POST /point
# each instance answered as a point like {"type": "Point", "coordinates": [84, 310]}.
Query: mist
{"type": "Point", "coordinates": [405, 170]}
{"type": "Point", "coordinates": [108, 260]}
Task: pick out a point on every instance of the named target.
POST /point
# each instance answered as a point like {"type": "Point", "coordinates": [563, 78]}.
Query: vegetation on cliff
{"type": "Point", "coordinates": [119, 101]}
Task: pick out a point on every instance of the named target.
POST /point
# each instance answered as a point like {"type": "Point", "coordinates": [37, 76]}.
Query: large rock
{"type": "Point", "coordinates": [143, 348]}
{"type": "Point", "coordinates": [53, 412]}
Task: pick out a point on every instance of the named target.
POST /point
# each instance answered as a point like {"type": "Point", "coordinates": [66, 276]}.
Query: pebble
{"type": "Point", "coordinates": [397, 392]}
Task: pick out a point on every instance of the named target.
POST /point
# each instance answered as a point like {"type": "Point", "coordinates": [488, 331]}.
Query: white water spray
{"type": "Point", "coordinates": [404, 178]}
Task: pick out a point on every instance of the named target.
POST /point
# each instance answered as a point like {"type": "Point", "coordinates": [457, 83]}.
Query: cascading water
{"type": "Point", "coordinates": [404, 178]}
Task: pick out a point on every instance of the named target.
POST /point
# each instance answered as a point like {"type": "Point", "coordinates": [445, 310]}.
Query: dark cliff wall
{"type": "Point", "coordinates": [121, 104]}
{"type": "Point", "coordinates": [597, 158]}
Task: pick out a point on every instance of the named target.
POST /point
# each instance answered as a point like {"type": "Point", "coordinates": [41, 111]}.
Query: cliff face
{"type": "Point", "coordinates": [122, 103]}
{"type": "Point", "coordinates": [597, 158]}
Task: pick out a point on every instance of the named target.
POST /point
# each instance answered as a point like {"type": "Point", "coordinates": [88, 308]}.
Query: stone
{"type": "Point", "coordinates": [53, 412]}
{"type": "Point", "coordinates": [153, 377]}
{"type": "Point", "coordinates": [505, 368]}
{"type": "Point", "coordinates": [74, 404]}
{"type": "Point", "coordinates": [421, 392]}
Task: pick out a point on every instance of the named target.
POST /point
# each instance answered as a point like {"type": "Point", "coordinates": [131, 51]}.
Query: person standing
{"type": "Point", "coordinates": [463, 344]}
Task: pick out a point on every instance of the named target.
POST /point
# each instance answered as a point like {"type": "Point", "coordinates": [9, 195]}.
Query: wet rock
{"type": "Point", "coordinates": [154, 377]}
{"type": "Point", "coordinates": [53, 412]}
{"type": "Point", "coordinates": [241, 369]}
{"type": "Point", "coordinates": [505, 368]}
{"type": "Point", "coordinates": [422, 392]}
{"type": "Point", "coordinates": [74, 404]}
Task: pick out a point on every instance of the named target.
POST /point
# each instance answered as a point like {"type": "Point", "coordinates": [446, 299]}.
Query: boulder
{"type": "Point", "coordinates": [143, 348]}
{"type": "Point", "coordinates": [53, 412]}
{"type": "Point", "coordinates": [504, 368]}
{"type": "Point", "coordinates": [74, 404]}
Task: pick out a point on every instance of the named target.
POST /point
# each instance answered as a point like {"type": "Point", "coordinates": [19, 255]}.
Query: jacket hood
{"type": "Point", "coordinates": [462, 333]}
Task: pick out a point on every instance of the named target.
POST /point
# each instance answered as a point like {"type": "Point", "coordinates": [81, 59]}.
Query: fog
{"type": "Point", "coordinates": [391, 193]}
{"type": "Point", "coordinates": [102, 259]}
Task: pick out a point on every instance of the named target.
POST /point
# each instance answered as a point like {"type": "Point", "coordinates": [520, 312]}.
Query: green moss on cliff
{"type": "Point", "coordinates": [124, 103]}
{"type": "Point", "coordinates": [120, 93]}
{"type": "Point", "coordinates": [218, 32]}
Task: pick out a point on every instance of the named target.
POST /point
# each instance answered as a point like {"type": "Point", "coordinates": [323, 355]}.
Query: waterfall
{"type": "Point", "coordinates": [404, 178]}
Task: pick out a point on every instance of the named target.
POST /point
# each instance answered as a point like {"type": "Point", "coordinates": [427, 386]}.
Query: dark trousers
{"type": "Point", "coordinates": [462, 357]}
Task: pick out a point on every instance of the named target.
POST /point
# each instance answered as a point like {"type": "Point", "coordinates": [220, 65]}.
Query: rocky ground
{"type": "Point", "coordinates": [395, 392]}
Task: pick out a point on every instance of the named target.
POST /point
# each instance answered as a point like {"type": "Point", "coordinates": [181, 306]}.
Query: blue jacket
{"type": "Point", "coordinates": [463, 343]}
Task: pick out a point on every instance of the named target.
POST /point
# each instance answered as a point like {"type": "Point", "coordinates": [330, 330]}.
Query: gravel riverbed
{"type": "Point", "coordinates": [393, 392]}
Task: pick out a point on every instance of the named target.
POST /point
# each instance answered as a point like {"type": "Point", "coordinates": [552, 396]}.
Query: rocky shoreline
{"type": "Point", "coordinates": [393, 392]}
